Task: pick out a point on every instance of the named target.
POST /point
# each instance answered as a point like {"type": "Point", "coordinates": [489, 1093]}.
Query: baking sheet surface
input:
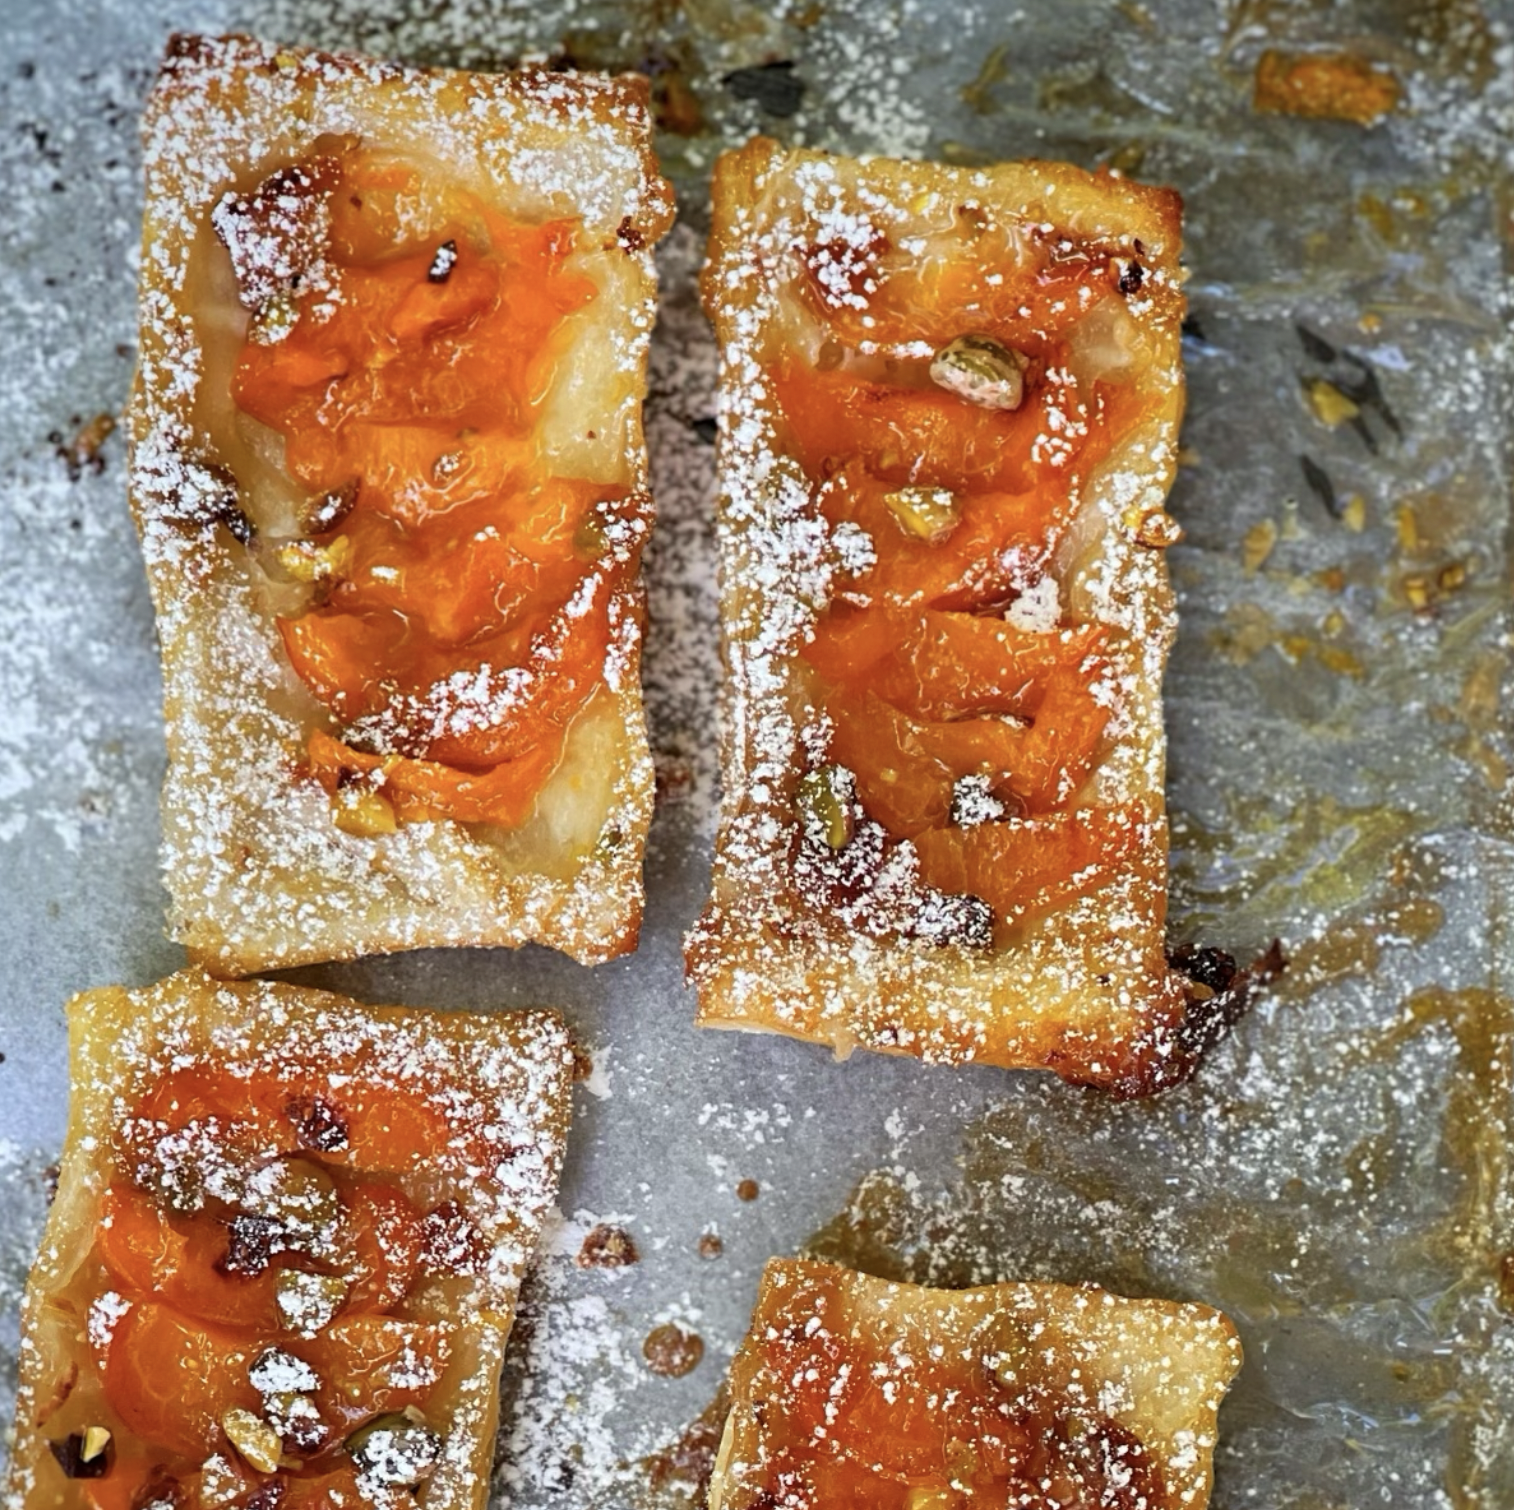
{"type": "Point", "coordinates": [1337, 1176]}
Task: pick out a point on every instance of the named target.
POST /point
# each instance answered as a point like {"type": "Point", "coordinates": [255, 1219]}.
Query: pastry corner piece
{"type": "Point", "coordinates": [282, 1263]}
{"type": "Point", "coordinates": [388, 466]}
{"type": "Point", "coordinates": [950, 401]}
{"type": "Point", "coordinates": [1059, 1396]}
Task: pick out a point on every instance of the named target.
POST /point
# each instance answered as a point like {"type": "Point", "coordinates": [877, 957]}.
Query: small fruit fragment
{"type": "Point", "coordinates": [929, 514]}
{"type": "Point", "coordinates": [362, 812]}
{"type": "Point", "coordinates": [1156, 529]}
{"type": "Point", "coordinates": [96, 1440]}
{"type": "Point", "coordinates": [824, 809]}
{"type": "Point", "coordinates": [317, 1123]}
{"type": "Point", "coordinates": [398, 1449]}
{"type": "Point", "coordinates": [980, 370]}
{"type": "Point", "coordinates": [307, 1302]}
{"type": "Point", "coordinates": [254, 1439]}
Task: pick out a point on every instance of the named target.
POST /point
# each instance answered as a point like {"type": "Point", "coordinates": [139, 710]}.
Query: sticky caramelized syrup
{"type": "Point", "coordinates": [851, 1413]}
{"type": "Point", "coordinates": [256, 1259]}
{"type": "Point", "coordinates": [943, 653]}
{"type": "Point", "coordinates": [463, 595]}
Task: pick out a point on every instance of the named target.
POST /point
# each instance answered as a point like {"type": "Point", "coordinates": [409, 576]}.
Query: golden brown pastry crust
{"type": "Point", "coordinates": [1086, 989]}
{"type": "Point", "coordinates": [1149, 1370]}
{"type": "Point", "coordinates": [259, 876]}
{"type": "Point", "coordinates": [513, 1071]}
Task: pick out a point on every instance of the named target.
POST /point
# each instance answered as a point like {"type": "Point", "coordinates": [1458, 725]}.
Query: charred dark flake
{"type": "Point", "coordinates": [775, 87]}
{"type": "Point", "coordinates": [317, 1123]}
{"type": "Point", "coordinates": [1205, 967]}
{"type": "Point", "coordinates": [1321, 486]}
{"type": "Point", "coordinates": [1132, 275]}
{"type": "Point", "coordinates": [443, 263]}
{"type": "Point", "coordinates": [706, 429]}
{"type": "Point", "coordinates": [628, 237]}
{"type": "Point", "coordinates": [1316, 347]}
{"type": "Point", "coordinates": [1221, 996]}
{"type": "Point", "coordinates": [328, 511]}
{"type": "Point", "coordinates": [1367, 391]}
{"type": "Point", "coordinates": [1211, 1017]}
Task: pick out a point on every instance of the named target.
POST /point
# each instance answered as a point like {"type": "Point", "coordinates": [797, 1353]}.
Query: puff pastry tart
{"type": "Point", "coordinates": [388, 466]}
{"type": "Point", "coordinates": [850, 1390]}
{"type": "Point", "coordinates": [950, 402]}
{"type": "Point", "coordinates": [284, 1254]}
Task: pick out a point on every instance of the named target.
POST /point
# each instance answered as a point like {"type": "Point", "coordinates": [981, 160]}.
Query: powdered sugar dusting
{"type": "Point", "coordinates": [841, 940]}
{"type": "Point", "coordinates": [259, 872]}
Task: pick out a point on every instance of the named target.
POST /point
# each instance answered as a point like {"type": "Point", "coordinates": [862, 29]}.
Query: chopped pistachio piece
{"type": "Point", "coordinates": [398, 1449]}
{"type": "Point", "coordinates": [254, 1439]}
{"type": "Point", "coordinates": [277, 315]}
{"type": "Point", "coordinates": [69, 1452]}
{"type": "Point", "coordinates": [298, 1196]}
{"type": "Point", "coordinates": [96, 1440]}
{"type": "Point", "coordinates": [591, 539]}
{"type": "Point", "coordinates": [361, 811]}
{"type": "Point", "coordinates": [308, 561]}
{"type": "Point", "coordinates": [826, 813]}
{"type": "Point", "coordinates": [929, 514]}
{"type": "Point", "coordinates": [275, 1372]}
{"type": "Point", "coordinates": [307, 1302]}
{"type": "Point", "coordinates": [982, 371]}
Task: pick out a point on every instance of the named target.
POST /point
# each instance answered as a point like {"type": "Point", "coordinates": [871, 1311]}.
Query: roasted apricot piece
{"type": "Point", "coordinates": [150, 1253]}
{"type": "Point", "coordinates": [1027, 866]}
{"type": "Point", "coordinates": [170, 1379]}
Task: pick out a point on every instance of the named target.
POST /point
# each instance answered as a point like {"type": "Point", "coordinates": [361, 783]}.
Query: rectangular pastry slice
{"type": "Point", "coordinates": [283, 1258]}
{"type": "Point", "coordinates": [950, 401]}
{"type": "Point", "coordinates": [388, 467]}
{"type": "Point", "coordinates": [850, 1390]}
